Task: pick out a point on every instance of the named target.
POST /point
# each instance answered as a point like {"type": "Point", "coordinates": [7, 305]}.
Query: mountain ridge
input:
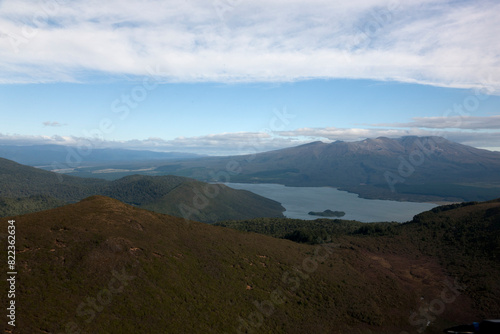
{"type": "Point", "coordinates": [197, 200]}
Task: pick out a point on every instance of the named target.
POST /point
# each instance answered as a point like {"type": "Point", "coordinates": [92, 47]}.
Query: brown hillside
{"type": "Point", "coordinates": [100, 266]}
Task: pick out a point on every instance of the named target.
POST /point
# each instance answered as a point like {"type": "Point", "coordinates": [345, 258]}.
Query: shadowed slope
{"type": "Point", "coordinates": [26, 189]}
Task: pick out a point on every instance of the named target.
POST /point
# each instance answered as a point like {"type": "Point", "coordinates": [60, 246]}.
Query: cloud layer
{"type": "Point", "coordinates": [450, 122]}
{"type": "Point", "coordinates": [252, 142]}
{"type": "Point", "coordinates": [215, 144]}
{"type": "Point", "coordinates": [448, 43]}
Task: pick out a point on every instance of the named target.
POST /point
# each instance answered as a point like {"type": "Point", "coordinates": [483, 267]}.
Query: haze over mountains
{"type": "Point", "coordinates": [66, 156]}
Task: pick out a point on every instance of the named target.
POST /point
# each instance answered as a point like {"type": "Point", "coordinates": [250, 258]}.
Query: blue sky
{"type": "Point", "coordinates": [225, 77]}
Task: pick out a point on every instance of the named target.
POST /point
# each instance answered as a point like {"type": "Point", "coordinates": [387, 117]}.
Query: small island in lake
{"type": "Point", "coordinates": [328, 213]}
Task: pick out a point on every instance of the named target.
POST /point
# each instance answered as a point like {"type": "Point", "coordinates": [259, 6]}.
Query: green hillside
{"type": "Point", "coordinates": [195, 200]}
{"type": "Point", "coordinates": [309, 231]}
{"type": "Point", "coordinates": [18, 180]}
{"type": "Point", "coordinates": [34, 203]}
{"type": "Point", "coordinates": [174, 195]}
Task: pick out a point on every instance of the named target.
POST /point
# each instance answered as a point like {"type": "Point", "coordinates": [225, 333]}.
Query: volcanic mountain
{"type": "Point", "coordinates": [407, 168]}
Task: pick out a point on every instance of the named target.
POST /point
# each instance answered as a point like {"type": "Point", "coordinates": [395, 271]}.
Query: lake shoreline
{"type": "Point", "coordinates": [381, 198]}
{"type": "Point", "coordinates": [299, 201]}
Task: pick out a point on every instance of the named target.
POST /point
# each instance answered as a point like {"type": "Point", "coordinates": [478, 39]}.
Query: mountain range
{"type": "Point", "coordinates": [407, 168]}
{"type": "Point", "coordinates": [101, 266]}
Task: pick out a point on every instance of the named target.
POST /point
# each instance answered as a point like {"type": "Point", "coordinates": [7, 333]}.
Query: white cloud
{"type": "Point", "coordinates": [440, 42]}
{"type": "Point", "coordinates": [346, 134]}
{"type": "Point", "coordinates": [482, 139]}
{"type": "Point", "coordinates": [53, 124]}
{"type": "Point", "coordinates": [214, 144]}
{"type": "Point", "coordinates": [450, 122]}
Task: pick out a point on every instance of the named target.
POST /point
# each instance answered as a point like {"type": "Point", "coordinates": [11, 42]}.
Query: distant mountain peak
{"type": "Point", "coordinates": [313, 143]}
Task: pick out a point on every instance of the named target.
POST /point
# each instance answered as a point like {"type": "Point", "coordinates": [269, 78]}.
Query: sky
{"type": "Point", "coordinates": [234, 76]}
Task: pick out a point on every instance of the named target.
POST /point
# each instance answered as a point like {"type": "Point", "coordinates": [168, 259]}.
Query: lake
{"type": "Point", "coordinates": [298, 201]}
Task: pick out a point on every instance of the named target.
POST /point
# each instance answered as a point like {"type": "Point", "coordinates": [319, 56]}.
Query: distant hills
{"type": "Point", "coordinates": [26, 189]}
{"type": "Point", "coordinates": [189, 198]}
{"type": "Point", "coordinates": [17, 180]}
{"type": "Point", "coordinates": [103, 266]}
{"type": "Point", "coordinates": [408, 168]}
{"type": "Point", "coordinates": [67, 156]}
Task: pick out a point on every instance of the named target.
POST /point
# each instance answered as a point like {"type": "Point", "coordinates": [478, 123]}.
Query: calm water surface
{"type": "Point", "coordinates": [298, 201]}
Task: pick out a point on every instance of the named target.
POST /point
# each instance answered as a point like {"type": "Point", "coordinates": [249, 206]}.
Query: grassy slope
{"type": "Point", "coordinates": [197, 278]}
